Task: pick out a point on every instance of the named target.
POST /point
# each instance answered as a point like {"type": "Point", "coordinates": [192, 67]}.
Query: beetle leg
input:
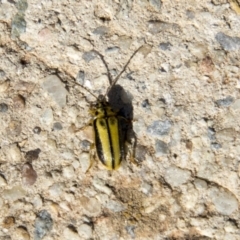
{"type": "Point", "coordinates": [92, 156]}
{"type": "Point", "coordinates": [131, 147]}
{"type": "Point", "coordinates": [82, 128]}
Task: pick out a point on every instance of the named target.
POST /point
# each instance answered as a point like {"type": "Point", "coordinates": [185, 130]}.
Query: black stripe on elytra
{"type": "Point", "coordinates": [109, 136]}
{"type": "Point", "coordinates": [98, 142]}
{"type": "Point", "coordinates": [110, 142]}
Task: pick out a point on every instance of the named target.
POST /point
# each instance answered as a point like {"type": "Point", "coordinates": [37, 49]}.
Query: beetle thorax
{"type": "Point", "coordinates": [101, 109]}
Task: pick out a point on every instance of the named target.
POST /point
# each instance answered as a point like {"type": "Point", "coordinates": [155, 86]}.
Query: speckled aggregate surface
{"type": "Point", "coordinates": [181, 90]}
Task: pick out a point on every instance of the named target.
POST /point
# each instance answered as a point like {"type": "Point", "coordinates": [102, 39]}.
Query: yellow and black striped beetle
{"type": "Point", "coordinates": [109, 134]}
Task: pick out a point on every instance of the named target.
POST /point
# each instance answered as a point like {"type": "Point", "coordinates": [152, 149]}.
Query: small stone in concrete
{"type": "Point", "coordinates": [225, 202]}
{"type": "Point", "coordinates": [85, 231]}
{"type": "Point", "coordinates": [13, 153]}
{"type": "Point", "coordinates": [68, 172]}
{"type": "Point", "coordinates": [18, 25]}
{"type": "Point", "coordinates": [91, 205]}
{"type": "Point", "coordinates": [228, 43]}
{"type": "Point", "coordinates": [80, 77]}
{"type": "Point", "coordinates": [159, 128]}
{"type": "Point", "coordinates": [37, 130]}
{"type": "Point", "coordinates": [56, 189]}
{"type": "Point", "coordinates": [55, 88]}
{"type": "Point", "coordinates": [13, 194]}
{"type": "Point", "coordinates": [57, 126]}
{"type": "Point", "coordinates": [32, 155]}
{"type": "Point", "coordinates": [70, 233]}
{"type": "Point", "coordinates": [29, 175]}
{"type": "Point", "coordinates": [3, 107]}
{"type": "Point", "coordinates": [102, 30]}
{"type": "Point", "coordinates": [225, 102]}
{"type": "Point", "coordinates": [176, 176]}
{"type": "Point", "coordinates": [156, 4]}
{"type": "Point", "coordinates": [165, 46]}
{"type": "Point", "coordinates": [47, 116]}
{"type": "Point", "coordinates": [161, 148]}
{"type": "Point", "coordinates": [89, 56]}
{"type": "Point", "coordinates": [43, 225]}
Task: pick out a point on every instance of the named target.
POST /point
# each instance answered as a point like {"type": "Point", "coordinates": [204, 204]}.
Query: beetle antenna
{"type": "Point", "coordinates": [86, 89]}
{"type": "Point", "coordinates": [110, 79]}
{"type": "Point", "coordinates": [124, 68]}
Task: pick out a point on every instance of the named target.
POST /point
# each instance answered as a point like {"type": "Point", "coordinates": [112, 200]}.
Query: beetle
{"type": "Point", "coordinates": [109, 128]}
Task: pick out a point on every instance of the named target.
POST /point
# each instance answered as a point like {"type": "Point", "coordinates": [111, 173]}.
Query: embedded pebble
{"type": "Point", "coordinates": [156, 4]}
{"type": "Point", "coordinates": [18, 25]}
{"type": "Point", "coordinates": [21, 233]}
{"type": "Point", "coordinates": [56, 89]}
{"type": "Point", "coordinates": [112, 50]}
{"type": "Point", "coordinates": [4, 86]}
{"type": "Point", "coordinates": [22, 5]}
{"type": "Point", "coordinates": [115, 206]}
{"type": "Point", "coordinates": [225, 202]}
{"type": "Point", "coordinates": [165, 46]}
{"type": "Point", "coordinates": [18, 102]}
{"type": "Point", "coordinates": [85, 231]}
{"type": "Point", "coordinates": [32, 155]}
{"type": "Point", "coordinates": [68, 172]}
{"type": "Point", "coordinates": [80, 77]}
{"type": "Point", "coordinates": [13, 153]}
{"type": "Point", "coordinates": [56, 190]}
{"type": "Point", "coordinates": [200, 184]}
{"type": "Point", "coordinates": [225, 102]}
{"type": "Point", "coordinates": [84, 160]}
{"type": "Point", "coordinates": [47, 116]}
{"type": "Point", "coordinates": [161, 148]}
{"type": "Point", "coordinates": [102, 30]}
{"type": "Point", "coordinates": [140, 152]}
{"type": "Point", "coordinates": [57, 126]}
{"type": "Point", "coordinates": [13, 194]}
{"type": "Point", "coordinates": [51, 143]}
{"type": "Point", "coordinates": [146, 188]}
{"type": "Point", "coordinates": [3, 107]}
{"type": "Point", "coordinates": [37, 201]}
{"type": "Point", "coordinates": [85, 145]}
{"type": "Point", "coordinates": [91, 205]}
{"type": "Point", "coordinates": [176, 176]}
{"type": "Point", "coordinates": [228, 43]}
{"type": "Point", "coordinates": [69, 233]}
{"type": "Point", "coordinates": [89, 56]}
{"type": "Point", "coordinates": [68, 154]}
{"type": "Point", "coordinates": [43, 224]}
{"type": "Point", "coordinates": [159, 128]}
{"type": "Point", "coordinates": [29, 175]}
{"type": "Point", "coordinates": [37, 130]}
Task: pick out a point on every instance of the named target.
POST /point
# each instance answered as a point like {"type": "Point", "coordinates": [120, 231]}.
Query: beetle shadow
{"type": "Point", "coordinates": [121, 101]}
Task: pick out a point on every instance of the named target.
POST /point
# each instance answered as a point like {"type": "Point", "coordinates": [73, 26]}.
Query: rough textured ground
{"type": "Point", "coordinates": [182, 89]}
